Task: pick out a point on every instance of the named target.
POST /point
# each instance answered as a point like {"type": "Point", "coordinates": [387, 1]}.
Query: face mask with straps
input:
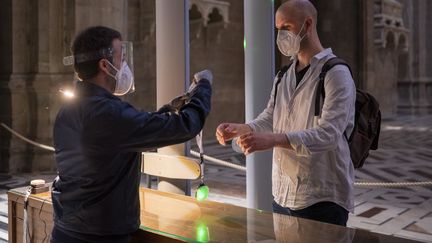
{"type": "Point", "coordinates": [289, 43]}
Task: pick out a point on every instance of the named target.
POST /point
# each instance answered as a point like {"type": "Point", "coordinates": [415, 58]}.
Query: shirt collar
{"type": "Point", "coordinates": [85, 89]}
{"type": "Point", "coordinates": [324, 53]}
{"type": "Point", "coordinates": [315, 59]}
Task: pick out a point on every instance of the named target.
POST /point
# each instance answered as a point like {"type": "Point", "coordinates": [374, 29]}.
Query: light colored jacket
{"type": "Point", "coordinates": [319, 167]}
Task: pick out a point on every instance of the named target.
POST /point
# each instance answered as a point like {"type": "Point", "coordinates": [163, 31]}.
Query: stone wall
{"type": "Point", "coordinates": [36, 35]}
{"type": "Point", "coordinates": [338, 27]}
{"type": "Point", "coordinates": [388, 40]}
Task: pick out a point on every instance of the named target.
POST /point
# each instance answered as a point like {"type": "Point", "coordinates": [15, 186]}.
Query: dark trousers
{"type": "Point", "coordinates": [58, 236]}
{"type": "Point", "coordinates": [327, 212]}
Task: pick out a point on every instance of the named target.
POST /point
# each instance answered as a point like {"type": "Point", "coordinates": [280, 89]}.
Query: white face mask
{"type": "Point", "coordinates": [124, 79]}
{"type": "Point", "coordinates": [289, 43]}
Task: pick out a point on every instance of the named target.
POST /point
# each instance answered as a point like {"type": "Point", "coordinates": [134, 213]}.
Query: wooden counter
{"type": "Point", "coordinates": [168, 217]}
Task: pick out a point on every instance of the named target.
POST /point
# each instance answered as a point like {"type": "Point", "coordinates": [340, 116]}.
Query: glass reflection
{"type": "Point", "coordinates": [202, 232]}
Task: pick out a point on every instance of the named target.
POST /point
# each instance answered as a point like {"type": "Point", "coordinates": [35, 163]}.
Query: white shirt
{"type": "Point", "coordinates": [319, 167]}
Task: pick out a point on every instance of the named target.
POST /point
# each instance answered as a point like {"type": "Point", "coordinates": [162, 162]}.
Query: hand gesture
{"type": "Point", "coordinates": [227, 131]}
{"type": "Point", "coordinates": [252, 142]}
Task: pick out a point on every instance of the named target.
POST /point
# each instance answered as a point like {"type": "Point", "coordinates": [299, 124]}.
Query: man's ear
{"type": "Point", "coordinates": [103, 66]}
{"type": "Point", "coordinates": [309, 25]}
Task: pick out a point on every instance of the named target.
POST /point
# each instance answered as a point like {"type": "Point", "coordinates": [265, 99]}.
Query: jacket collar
{"type": "Point", "coordinates": [86, 89]}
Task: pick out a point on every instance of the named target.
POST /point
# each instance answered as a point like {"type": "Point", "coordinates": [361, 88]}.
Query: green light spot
{"type": "Point", "coordinates": [244, 43]}
{"type": "Point", "coordinates": [202, 193]}
{"type": "Point", "coordinates": [202, 233]}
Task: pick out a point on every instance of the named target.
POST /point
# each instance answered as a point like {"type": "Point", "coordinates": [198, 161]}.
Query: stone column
{"type": "Point", "coordinates": [172, 69]}
{"type": "Point", "coordinates": [259, 73]}
{"type": "Point", "coordinates": [419, 76]}
{"type": "Point", "coordinates": [424, 77]}
{"type": "Point", "coordinates": [55, 31]}
{"type": "Point", "coordinates": [405, 68]}
{"type": "Point", "coordinates": [5, 72]}
{"type": "Point", "coordinates": [18, 73]}
{"type": "Point", "coordinates": [428, 61]}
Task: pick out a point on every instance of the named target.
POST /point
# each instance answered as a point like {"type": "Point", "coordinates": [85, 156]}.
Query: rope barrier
{"type": "Point", "coordinates": [39, 145]}
{"type": "Point", "coordinates": [393, 184]}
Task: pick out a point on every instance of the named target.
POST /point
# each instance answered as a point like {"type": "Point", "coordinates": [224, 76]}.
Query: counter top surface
{"type": "Point", "coordinates": [183, 218]}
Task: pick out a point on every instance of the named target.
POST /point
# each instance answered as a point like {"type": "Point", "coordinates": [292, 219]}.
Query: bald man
{"type": "Point", "coordinates": [312, 170]}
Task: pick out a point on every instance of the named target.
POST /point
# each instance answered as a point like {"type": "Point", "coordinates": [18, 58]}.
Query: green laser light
{"type": "Point", "coordinates": [202, 192]}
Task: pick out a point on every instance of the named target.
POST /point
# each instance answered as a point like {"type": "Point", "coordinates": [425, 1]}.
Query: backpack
{"type": "Point", "coordinates": [367, 121]}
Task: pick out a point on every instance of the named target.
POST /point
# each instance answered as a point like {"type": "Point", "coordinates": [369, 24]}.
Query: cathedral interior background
{"type": "Point", "coordinates": [388, 44]}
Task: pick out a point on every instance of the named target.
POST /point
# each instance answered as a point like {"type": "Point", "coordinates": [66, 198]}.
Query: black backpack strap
{"type": "Point", "coordinates": [279, 75]}
{"type": "Point", "coordinates": [320, 90]}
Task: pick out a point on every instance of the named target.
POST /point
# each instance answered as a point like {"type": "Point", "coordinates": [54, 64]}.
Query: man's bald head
{"type": "Point", "coordinates": [298, 17]}
{"type": "Point", "coordinates": [298, 11]}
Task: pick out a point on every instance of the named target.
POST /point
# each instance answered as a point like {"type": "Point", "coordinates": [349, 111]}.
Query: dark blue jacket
{"type": "Point", "coordinates": [97, 140]}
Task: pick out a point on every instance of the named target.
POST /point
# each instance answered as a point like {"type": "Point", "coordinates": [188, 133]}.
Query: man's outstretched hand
{"type": "Point", "coordinates": [227, 131]}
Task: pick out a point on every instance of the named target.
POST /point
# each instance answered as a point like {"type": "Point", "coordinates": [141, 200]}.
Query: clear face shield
{"type": "Point", "coordinates": [124, 76]}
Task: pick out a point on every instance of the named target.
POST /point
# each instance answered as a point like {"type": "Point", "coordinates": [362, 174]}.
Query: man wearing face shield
{"type": "Point", "coordinates": [312, 173]}
{"type": "Point", "coordinates": [98, 139]}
